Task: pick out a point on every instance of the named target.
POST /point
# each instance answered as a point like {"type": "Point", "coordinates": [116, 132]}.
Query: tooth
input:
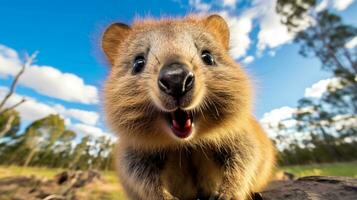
{"type": "Point", "coordinates": [188, 123]}
{"type": "Point", "coordinates": [174, 123]}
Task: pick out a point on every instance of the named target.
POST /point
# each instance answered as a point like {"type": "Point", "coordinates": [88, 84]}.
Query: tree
{"type": "Point", "coordinates": [41, 135]}
{"type": "Point", "coordinates": [47, 141]}
{"type": "Point", "coordinates": [7, 111]}
{"type": "Point", "coordinates": [61, 154]}
{"type": "Point", "coordinates": [104, 147]}
{"type": "Point", "coordinates": [9, 123]}
{"type": "Point", "coordinates": [322, 34]}
{"type": "Point", "coordinates": [294, 13]}
{"type": "Point", "coordinates": [79, 151]}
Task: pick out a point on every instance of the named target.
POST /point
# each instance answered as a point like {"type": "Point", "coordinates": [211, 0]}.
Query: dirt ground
{"type": "Point", "coordinates": [74, 185]}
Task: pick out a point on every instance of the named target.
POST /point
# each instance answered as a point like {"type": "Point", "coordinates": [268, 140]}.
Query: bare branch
{"type": "Point", "coordinates": [28, 62]}
{"type": "Point", "coordinates": [7, 126]}
{"type": "Point", "coordinates": [13, 106]}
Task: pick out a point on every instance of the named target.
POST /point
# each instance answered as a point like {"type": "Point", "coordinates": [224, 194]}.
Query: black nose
{"type": "Point", "coordinates": [175, 79]}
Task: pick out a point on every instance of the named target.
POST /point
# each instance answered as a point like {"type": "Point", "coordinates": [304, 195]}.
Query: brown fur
{"type": "Point", "coordinates": [229, 155]}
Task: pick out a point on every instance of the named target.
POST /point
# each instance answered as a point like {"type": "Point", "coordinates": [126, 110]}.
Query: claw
{"type": "Point", "coordinates": [217, 196]}
{"type": "Point", "coordinates": [257, 196]}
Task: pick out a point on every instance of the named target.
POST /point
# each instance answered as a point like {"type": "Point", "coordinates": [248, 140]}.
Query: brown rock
{"type": "Point", "coordinates": [313, 188]}
{"type": "Point", "coordinates": [62, 187]}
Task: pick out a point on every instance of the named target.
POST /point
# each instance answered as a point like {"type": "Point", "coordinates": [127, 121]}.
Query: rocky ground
{"type": "Point", "coordinates": [313, 188]}
{"type": "Point", "coordinates": [62, 187]}
{"type": "Point", "coordinates": [65, 185]}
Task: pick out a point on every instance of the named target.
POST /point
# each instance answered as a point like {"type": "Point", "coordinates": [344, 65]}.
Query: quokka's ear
{"type": "Point", "coordinates": [219, 27]}
{"type": "Point", "coordinates": [112, 37]}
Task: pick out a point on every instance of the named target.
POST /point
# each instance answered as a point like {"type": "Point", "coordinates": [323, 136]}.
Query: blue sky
{"type": "Point", "coordinates": [67, 36]}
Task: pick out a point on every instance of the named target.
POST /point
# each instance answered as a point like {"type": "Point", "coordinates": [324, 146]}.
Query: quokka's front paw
{"type": "Point", "coordinates": [222, 196]}
{"type": "Point", "coordinates": [257, 196]}
{"type": "Point", "coordinates": [171, 198]}
{"type": "Point", "coordinates": [168, 196]}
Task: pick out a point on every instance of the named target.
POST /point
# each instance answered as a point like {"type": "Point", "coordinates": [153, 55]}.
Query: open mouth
{"type": "Point", "coordinates": [181, 123]}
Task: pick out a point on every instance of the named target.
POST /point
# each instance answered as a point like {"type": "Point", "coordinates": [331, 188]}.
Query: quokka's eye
{"type": "Point", "coordinates": [207, 58]}
{"type": "Point", "coordinates": [139, 64]}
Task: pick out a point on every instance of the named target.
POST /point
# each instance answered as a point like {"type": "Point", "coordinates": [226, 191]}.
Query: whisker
{"type": "Point", "coordinates": [156, 58]}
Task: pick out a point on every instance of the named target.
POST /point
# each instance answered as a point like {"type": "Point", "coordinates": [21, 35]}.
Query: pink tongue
{"type": "Point", "coordinates": [179, 129]}
{"type": "Point", "coordinates": [177, 126]}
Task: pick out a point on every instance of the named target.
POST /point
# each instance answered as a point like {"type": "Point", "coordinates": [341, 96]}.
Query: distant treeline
{"type": "Point", "coordinates": [47, 142]}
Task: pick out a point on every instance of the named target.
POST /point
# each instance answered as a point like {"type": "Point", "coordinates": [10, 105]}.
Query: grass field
{"type": "Point", "coordinates": [111, 190]}
{"type": "Point", "coordinates": [107, 190]}
{"type": "Point", "coordinates": [331, 169]}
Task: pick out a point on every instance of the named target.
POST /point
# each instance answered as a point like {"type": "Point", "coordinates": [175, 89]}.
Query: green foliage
{"type": "Point", "coordinates": [6, 117]}
{"type": "Point", "coordinates": [294, 12]}
{"type": "Point", "coordinates": [331, 169]}
{"type": "Point", "coordinates": [47, 142]}
{"type": "Point", "coordinates": [323, 134]}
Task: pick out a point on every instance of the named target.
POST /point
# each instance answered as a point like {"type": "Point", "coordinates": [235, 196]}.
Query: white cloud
{"type": "Point", "coordinates": [319, 88]}
{"type": "Point", "coordinates": [32, 110]}
{"type": "Point", "coordinates": [87, 117]}
{"type": "Point", "coordinates": [90, 130]}
{"type": "Point", "coordinates": [200, 6]}
{"type": "Point", "coordinates": [352, 43]}
{"type": "Point", "coordinates": [248, 59]}
{"type": "Point", "coordinates": [277, 115]}
{"type": "Point", "coordinates": [339, 5]}
{"type": "Point", "coordinates": [342, 121]}
{"type": "Point", "coordinates": [9, 62]}
{"type": "Point", "coordinates": [271, 120]}
{"type": "Point", "coordinates": [47, 80]}
{"type": "Point", "coordinates": [240, 27]}
{"type": "Point", "coordinates": [229, 3]}
{"type": "Point", "coordinates": [284, 114]}
{"type": "Point", "coordinates": [322, 5]}
{"type": "Point", "coordinates": [54, 83]}
{"type": "Point", "coordinates": [342, 4]}
{"type": "Point", "coordinates": [272, 33]}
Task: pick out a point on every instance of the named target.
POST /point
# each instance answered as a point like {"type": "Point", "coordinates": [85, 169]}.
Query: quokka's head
{"type": "Point", "coordinates": [172, 78]}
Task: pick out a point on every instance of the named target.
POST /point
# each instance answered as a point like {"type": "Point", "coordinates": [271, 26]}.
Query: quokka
{"type": "Point", "coordinates": [182, 109]}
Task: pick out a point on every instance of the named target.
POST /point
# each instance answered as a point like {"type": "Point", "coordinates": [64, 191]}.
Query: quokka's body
{"type": "Point", "coordinates": [182, 109]}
